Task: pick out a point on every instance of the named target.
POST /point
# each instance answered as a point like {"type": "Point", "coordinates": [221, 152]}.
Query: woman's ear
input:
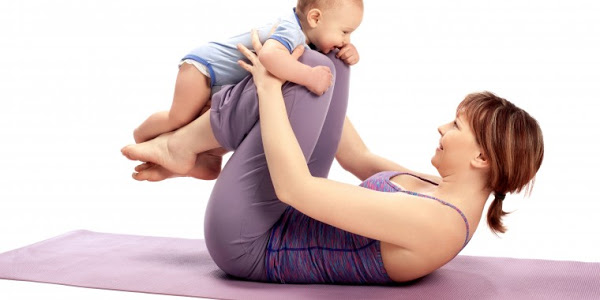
{"type": "Point", "coordinates": [313, 17]}
{"type": "Point", "coordinates": [480, 162]}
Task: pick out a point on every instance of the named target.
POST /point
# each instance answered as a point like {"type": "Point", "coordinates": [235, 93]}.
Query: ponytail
{"type": "Point", "coordinates": [495, 214]}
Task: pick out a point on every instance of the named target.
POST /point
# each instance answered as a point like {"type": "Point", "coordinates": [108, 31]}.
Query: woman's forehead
{"type": "Point", "coordinates": [461, 114]}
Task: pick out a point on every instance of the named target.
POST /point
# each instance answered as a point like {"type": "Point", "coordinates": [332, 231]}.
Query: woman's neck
{"type": "Point", "coordinates": [467, 190]}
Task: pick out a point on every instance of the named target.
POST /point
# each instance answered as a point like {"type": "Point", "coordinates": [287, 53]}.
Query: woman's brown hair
{"type": "Point", "coordinates": [512, 142]}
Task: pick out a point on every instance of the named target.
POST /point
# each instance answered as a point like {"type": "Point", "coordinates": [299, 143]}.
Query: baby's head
{"type": "Point", "coordinates": [329, 23]}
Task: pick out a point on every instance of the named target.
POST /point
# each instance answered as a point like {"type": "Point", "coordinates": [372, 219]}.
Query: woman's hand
{"type": "Point", "coordinates": [262, 77]}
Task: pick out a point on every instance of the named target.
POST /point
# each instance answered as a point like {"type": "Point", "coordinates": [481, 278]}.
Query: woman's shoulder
{"type": "Point", "coordinates": [435, 179]}
{"type": "Point", "coordinates": [391, 181]}
{"type": "Point", "coordinates": [414, 178]}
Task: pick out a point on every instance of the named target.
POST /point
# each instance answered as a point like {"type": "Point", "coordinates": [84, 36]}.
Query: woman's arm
{"type": "Point", "coordinates": [354, 156]}
{"type": "Point", "coordinates": [355, 209]}
{"type": "Point", "coordinates": [398, 219]}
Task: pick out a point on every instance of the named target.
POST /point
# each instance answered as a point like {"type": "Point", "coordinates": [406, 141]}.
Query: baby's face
{"type": "Point", "coordinates": [336, 26]}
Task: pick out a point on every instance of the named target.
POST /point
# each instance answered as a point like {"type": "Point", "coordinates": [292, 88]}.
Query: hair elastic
{"type": "Point", "coordinates": [500, 196]}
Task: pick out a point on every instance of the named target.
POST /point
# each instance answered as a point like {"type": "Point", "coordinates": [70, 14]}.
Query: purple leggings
{"type": "Point", "coordinates": [243, 208]}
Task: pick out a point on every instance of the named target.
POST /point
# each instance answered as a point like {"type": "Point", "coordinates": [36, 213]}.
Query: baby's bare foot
{"type": "Point", "coordinates": [163, 151]}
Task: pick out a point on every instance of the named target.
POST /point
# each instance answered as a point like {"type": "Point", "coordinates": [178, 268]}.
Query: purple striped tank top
{"type": "Point", "coordinates": [304, 250]}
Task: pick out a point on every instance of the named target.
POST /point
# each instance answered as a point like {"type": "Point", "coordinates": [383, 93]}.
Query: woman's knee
{"type": "Point", "coordinates": [313, 58]}
{"type": "Point", "coordinates": [233, 113]}
{"type": "Point", "coordinates": [342, 70]}
{"type": "Point", "coordinates": [339, 69]}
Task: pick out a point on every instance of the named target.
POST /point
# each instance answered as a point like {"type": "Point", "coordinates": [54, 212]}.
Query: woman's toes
{"type": "Point", "coordinates": [143, 175]}
{"type": "Point", "coordinates": [137, 176]}
{"type": "Point", "coordinates": [144, 166]}
{"type": "Point", "coordinates": [151, 172]}
{"type": "Point", "coordinates": [157, 174]}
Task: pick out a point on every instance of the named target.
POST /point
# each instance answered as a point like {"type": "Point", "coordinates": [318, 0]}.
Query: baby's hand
{"type": "Point", "coordinates": [348, 54]}
{"type": "Point", "coordinates": [320, 80]}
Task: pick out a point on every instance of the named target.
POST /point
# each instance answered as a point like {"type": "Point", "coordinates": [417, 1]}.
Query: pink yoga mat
{"type": "Point", "coordinates": [174, 266]}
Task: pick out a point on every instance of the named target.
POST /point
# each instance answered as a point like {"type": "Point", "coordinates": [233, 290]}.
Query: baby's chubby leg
{"type": "Point", "coordinates": [192, 91]}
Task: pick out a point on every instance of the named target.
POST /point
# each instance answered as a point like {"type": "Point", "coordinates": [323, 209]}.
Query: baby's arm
{"type": "Point", "coordinates": [278, 61]}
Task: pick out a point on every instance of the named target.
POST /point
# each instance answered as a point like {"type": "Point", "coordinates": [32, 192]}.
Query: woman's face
{"type": "Point", "coordinates": [457, 149]}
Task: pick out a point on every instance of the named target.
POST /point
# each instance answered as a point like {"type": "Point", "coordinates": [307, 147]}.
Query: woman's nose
{"type": "Point", "coordinates": [443, 128]}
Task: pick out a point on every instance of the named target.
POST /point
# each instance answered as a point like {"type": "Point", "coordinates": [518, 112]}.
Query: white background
{"type": "Point", "coordinates": [76, 77]}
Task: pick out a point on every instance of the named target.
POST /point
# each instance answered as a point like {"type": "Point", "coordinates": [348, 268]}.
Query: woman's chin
{"type": "Point", "coordinates": [434, 160]}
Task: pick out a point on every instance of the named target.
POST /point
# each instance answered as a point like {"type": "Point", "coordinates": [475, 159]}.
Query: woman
{"type": "Point", "coordinates": [289, 224]}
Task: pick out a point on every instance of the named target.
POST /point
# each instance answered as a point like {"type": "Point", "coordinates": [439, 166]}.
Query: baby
{"type": "Point", "coordinates": [323, 24]}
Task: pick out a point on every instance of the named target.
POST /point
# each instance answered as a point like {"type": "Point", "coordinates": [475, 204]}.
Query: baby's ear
{"type": "Point", "coordinates": [314, 17]}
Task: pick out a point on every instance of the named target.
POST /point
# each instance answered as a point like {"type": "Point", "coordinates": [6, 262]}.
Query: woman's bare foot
{"type": "Point", "coordinates": [164, 151]}
{"type": "Point", "coordinates": [152, 172]}
{"type": "Point", "coordinates": [207, 167]}
{"type": "Point", "coordinates": [208, 164]}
